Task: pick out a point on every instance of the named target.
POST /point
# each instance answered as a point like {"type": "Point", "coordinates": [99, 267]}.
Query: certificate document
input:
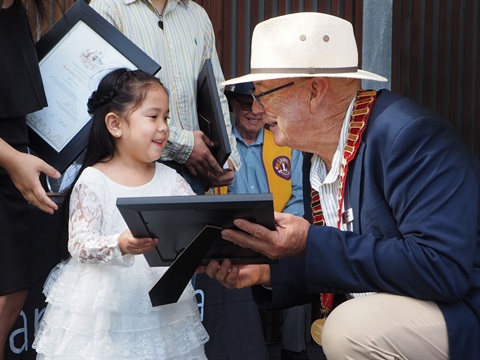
{"type": "Point", "coordinates": [70, 72]}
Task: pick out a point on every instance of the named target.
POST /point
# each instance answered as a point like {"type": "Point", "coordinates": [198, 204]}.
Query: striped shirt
{"type": "Point", "coordinates": [187, 39]}
{"type": "Point", "coordinates": [328, 183]}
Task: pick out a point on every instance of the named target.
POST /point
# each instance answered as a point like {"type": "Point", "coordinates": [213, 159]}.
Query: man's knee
{"type": "Point", "coordinates": [344, 333]}
{"type": "Point", "coordinates": [385, 326]}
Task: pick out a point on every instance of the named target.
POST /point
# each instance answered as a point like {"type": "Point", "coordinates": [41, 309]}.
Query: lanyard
{"type": "Point", "coordinates": [154, 9]}
{"type": "Point", "coordinates": [361, 111]}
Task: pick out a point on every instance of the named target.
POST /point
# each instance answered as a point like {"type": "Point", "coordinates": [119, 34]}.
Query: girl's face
{"type": "Point", "coordinates": [145, 134]}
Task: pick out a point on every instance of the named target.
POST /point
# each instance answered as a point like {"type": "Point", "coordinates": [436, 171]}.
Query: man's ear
{"type": "Point", "coordinates": [318, 87]}
{"type": "Point", "coordinates": [113, 124]}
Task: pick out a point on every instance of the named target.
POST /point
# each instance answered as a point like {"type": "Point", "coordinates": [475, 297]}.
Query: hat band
{"type": "Point", "coordinates": [352, 69]}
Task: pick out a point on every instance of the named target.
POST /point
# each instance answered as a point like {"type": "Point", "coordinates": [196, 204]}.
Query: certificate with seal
{"type": "Point", "coordinates": [74, 55]}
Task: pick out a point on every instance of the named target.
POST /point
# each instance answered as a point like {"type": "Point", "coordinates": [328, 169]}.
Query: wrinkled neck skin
{"type": "Point", "coordinates": [330, 116]}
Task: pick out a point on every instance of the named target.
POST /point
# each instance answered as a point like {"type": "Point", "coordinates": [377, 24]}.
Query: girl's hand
{"type": "Point", "coordinates": [135, 246]}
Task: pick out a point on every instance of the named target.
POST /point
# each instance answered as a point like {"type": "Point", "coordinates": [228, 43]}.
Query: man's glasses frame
{"type": "Point", "coordinates": [257, 97]}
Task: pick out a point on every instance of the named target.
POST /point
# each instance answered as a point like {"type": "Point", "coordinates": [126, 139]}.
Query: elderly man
{"type": "Point", "coordinates": [392, 203]}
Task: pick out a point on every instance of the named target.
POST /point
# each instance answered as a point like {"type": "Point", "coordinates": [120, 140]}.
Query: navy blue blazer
{"type": "Point", "coordinates": [414, 190]}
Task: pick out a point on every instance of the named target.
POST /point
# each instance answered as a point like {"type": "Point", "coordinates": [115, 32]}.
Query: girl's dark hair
{"type": "Point", "coordinates": [121, 91]}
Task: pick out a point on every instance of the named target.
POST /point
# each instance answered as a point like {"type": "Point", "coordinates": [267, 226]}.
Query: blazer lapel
{"type": "Point", "coordinates": [355, 172]}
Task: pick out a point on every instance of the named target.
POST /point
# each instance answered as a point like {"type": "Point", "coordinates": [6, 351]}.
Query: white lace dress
{"type": "Point", "coordinates": [98, 303]}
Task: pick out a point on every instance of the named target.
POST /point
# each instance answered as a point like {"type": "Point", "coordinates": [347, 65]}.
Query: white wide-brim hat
{"type": "Point", "coordinates": [307, 44]}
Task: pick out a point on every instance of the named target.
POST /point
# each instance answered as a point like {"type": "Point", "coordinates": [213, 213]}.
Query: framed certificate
{"type": "Point", "coordinates": [74, 55]}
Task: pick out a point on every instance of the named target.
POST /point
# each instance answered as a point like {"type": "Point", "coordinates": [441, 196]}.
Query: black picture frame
{"type": "Point", "coordinates": [210, 115]}
{"type": "Point", "coordinates": [179, 220]}
{"type": "Point", "coordinates": [81, 12]}
{"type": "Point", "coordinates": [189, 233]}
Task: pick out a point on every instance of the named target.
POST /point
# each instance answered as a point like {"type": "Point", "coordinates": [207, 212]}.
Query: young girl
{"type": "Point", "coordinates": [98, 303]}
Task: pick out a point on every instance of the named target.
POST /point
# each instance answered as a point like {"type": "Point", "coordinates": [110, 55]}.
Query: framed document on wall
{"type": "Point", "coordinates": [74, 55]}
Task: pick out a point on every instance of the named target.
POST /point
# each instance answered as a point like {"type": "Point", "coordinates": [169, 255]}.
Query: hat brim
{"type": "Point", "coordinates": [359, 74]}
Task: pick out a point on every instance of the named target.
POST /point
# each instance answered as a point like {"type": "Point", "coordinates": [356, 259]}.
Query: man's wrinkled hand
{"type": "Point", "coordinates": [288, 239]}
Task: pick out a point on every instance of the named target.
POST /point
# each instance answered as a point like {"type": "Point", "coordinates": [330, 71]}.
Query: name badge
{"type": "Point", "coordinates": [347, 219]}
{"type": "Point", "coordinates": [347, 216]}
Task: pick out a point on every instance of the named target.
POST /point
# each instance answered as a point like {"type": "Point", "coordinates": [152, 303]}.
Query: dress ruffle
{"type": "Point", "coordinates": [97, 313]}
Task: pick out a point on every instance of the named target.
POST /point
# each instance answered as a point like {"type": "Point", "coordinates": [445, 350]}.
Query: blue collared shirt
{"type": "Point", "coordinates": [252, 177]}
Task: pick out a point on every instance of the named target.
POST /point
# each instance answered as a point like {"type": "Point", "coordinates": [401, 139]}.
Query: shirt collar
{"type": "Point", "coordinates": [258, 140]}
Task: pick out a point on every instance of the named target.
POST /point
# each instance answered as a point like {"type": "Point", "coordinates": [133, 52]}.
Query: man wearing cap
{"type": "Point", "coordinates": [391, 197]}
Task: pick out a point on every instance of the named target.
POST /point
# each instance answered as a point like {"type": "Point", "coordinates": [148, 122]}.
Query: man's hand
{"type": "Point", "coordinates": [225, 179]}
{"type": "Point", "coordinates": [201, 161]}
{"type": "Point", "coordinates": [237, 276]}
{"type": "Point", "coordinates": [288, 239]}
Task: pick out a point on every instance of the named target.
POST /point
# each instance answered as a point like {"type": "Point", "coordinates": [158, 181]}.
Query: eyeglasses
{"type": "Point", "coordinates": [245, 102]}
{"type": "Point", "coordinates": [257, 97]}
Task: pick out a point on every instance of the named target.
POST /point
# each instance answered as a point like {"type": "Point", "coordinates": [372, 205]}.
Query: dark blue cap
{"type": "Point", "coordinates": [241, 89]}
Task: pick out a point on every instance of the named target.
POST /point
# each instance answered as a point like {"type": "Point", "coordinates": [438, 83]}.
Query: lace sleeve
{"type": "Point", "coordinates": [87, 243]}
{"type": "Point", "coordinates": [182, 187]}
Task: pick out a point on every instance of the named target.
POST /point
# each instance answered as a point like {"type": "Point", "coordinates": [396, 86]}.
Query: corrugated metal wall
{"type": "Point", "coordinates": [435, 59]}
{"type": "Point", "coordinates": [435, 56]}
{"type": "Point", "coordinates": [234, 21]}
